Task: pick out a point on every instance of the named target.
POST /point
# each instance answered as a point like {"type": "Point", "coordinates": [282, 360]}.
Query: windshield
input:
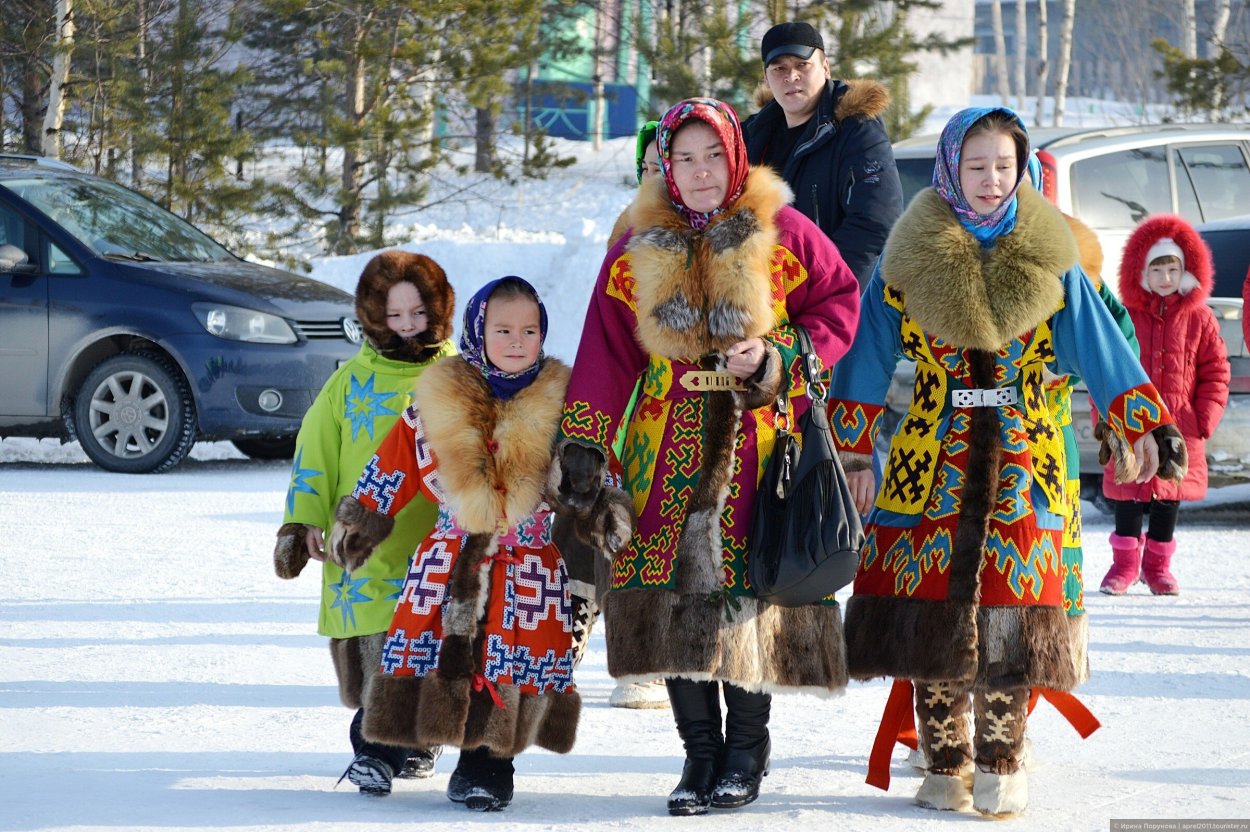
{"type": "Point", "coordinates": [115, 222]}
{"type": "Point", "coordinates": [915, 174]}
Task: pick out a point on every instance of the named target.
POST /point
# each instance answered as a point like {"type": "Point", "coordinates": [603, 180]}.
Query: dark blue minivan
{"type": "Point", "coordinates": [126, 328]}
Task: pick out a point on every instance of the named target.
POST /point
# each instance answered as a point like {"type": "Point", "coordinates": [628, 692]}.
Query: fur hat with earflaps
{"type": "Point", "coordinates": [388, 269]}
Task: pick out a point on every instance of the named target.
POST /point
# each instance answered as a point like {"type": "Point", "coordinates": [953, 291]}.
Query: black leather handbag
{"type": "Point", "coordinates": [805, 530]}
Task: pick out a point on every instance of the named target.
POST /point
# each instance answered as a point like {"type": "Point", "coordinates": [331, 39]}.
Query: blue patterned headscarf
{"type": "Point", "coordinates": [985, 227]}
{"type": "Point", "coordinates": [1035, 171]}
{"type": "Point", "coordinates": [473, 342]}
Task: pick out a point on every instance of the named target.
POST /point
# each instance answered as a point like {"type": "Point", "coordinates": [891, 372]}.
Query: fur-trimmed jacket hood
{"type": "Point", "coordinates": [947, 279]}
{"type": "Point", "coordinates": [495, 453]}
{"type": "Point", "coordinates": [1198, 279]}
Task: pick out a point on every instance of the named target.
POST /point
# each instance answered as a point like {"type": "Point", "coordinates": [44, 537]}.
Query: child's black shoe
{"type": "Point", "coordinates": [372, 775]}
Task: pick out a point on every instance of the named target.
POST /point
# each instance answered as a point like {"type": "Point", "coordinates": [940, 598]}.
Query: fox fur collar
{"type": "Point", "coordinates": [703, 291]}
{"type": "Point", "coordinates": [494, 454]}
{"type": "Point", "coordinates": [970, 297]}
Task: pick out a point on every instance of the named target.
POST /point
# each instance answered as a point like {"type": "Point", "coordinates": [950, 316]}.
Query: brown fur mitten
{"type": "Point", "coordinates": [577, 471]}
{"type": "Point", "coordinates": [1173, 453]}
{"type": "Point", "coordinates": [357, 532]}
{"type": "Point", "coordinates": [610, 523]}
{"type": "Point", "coordinates": [1113, 448]}
{"type": "Point", "coordinates": [290, 553]}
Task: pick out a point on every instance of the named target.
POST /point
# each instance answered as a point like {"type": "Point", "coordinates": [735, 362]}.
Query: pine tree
{"type": "Point", "coordinates": [1216, 88]}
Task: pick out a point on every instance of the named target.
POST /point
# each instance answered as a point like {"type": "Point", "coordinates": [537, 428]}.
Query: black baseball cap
{"type": "Point", "coordinates": [797, 39]}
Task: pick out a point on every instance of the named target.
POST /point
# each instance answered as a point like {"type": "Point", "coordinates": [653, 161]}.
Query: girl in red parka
{"type": "Point", "coordinates": [1165, 279]}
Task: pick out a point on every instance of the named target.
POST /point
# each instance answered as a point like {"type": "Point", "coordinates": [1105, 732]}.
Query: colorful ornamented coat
{"type": "Point", "coordinates": [355, 409]}
{"type": "Point", "coordinates": [667, 303]}
{"type": "Point", "coordinates": [961, 576]}
{"type": "Point", "coordinates": [479, 651]}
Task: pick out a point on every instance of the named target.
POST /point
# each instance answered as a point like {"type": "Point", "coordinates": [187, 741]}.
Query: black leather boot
{"type": "Point", "coordinates": [747, 748]}
{"type": "Point", "coordinates": [696, 709]}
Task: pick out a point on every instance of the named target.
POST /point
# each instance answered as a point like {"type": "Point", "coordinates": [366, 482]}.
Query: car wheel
{"type": "Point", "coordinates": [267, 447]}
{"type": "Point", "coordinates": [134, 414]}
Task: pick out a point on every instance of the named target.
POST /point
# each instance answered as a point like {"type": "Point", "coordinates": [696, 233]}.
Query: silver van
{"type": "Point", "coordinates": [1113, 177]}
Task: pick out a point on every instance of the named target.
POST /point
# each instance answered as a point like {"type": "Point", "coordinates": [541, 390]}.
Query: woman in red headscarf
{"type": "Point", "coordinates": [698, 301]}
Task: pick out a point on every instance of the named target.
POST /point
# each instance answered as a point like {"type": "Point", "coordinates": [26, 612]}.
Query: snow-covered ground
{"type": "Point", "coordinates": [155, 675]}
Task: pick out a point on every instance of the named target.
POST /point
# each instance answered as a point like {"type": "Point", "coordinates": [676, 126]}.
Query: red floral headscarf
{"type": "Point", "coordinates": [720, 117]}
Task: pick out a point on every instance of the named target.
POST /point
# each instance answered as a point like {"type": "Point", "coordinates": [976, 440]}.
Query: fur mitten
{"type": "Point", "coordinates": [290, 553]}
{"type": "Point", "coordinates": [1173, 453]}
{"type": "Point", "coordinates": [578, 472]}
{"type": "Point", "coordinates": [357, 532]}
{"type": "Point", "coordinates": [1113, 447]}
{"type": "Point", "coordinates": [764, 385]}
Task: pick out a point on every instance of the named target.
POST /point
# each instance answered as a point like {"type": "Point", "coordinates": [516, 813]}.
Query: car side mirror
{"type": "Point", "coordinates": [15, 261]}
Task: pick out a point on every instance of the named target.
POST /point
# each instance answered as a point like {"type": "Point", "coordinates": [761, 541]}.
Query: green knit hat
{"type": "Point", "coordinates": [646, 135]}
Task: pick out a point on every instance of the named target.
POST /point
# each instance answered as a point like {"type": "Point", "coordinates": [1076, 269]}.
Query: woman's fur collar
{"type": "Point", "coordinates": [703, 291]}
{"type": "Point", "coordinates": [970, 297]}
{"type": "Point", "coordinates": [494, 454]}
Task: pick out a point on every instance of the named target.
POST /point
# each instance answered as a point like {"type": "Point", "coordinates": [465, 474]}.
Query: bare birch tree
{"type": "Point", "coordinates": [63, 47]}
{"type": "Point", "coordinates": [1190, 45]}
{"type": "Point", "coordinates": [1022, 51]}
{"type": "Point", "coordinates": [1000, 50]}
{"type": "Point", "coordinates": [1219, 28]}
{"type": "Point", "coordinates": [1043, 60]}
{"type": "Point", "coordinates": [1065, 59]}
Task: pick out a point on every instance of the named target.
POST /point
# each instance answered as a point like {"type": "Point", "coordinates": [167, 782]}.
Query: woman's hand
{"type": "Point", "coordinates": [745, 357]}
{"type": "Point", "coordinates": [863, 487]}
{"type": "Point", "coordinates": [316, 543]}
{"type": "Point", "coordinates": [1146, 449]}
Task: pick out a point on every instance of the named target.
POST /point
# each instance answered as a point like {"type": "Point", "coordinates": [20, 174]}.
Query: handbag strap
{"type": "Point", "coordinates": [816, 390]}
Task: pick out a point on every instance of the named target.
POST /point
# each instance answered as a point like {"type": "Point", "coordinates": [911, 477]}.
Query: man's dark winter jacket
{"type": "Point", "coordinates": [841, 169]}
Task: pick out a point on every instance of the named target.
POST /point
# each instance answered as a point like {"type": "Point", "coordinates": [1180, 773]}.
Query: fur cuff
{"type": "Point", "coordinates": [764, 385]}
{"type": "Point", "coordinates": [852, 462]}
{"type": "Point", "coordinates": [357, 532]}
{"type": "Point", "coordinates": [1173, 453]}
{"type": "Point", "coordinates": [290, 553]}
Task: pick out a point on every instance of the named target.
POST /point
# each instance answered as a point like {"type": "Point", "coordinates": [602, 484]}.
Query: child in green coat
{"type": "Point", "coordinates": [405, 306]}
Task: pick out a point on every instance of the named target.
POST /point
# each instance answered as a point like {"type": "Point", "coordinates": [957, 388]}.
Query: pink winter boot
{"type": "Point", "coordinates": [1156, 567]}
{"type": "Point", "coordinates": [1125, 565]}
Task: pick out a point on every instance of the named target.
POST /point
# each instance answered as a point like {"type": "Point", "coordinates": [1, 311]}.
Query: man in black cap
{"type": "Point", "coordinates": [827, 140]}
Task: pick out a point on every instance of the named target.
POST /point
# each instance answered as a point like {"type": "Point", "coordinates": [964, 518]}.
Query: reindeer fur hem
{"type": "Point", "coordinates": [450, 712]}
{"type": "Point", "coordinates": [355, 662]}
{"type": "Point", "coordinates": [935, 641]}
{"type": "Point", "coordinates": [653, 633]}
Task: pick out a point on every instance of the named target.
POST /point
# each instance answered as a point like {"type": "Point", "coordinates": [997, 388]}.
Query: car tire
{"type": "Point", "coordinates": [134, 414]}
{"type": "Point", "coordinates": [266, 447]}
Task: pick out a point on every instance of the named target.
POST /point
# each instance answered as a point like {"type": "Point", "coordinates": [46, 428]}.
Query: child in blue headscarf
{"type": "Point", "coordinates": [479, 652]}
{"type": "Point", "coordinates": [960, 588]}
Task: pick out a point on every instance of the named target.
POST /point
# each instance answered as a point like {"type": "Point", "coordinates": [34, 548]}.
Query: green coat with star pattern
{"type": "Point", "coordinates": [339, 435]}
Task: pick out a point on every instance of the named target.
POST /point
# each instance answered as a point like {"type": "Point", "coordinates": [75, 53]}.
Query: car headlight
{"type": "Point", "coordinates": [235, 323]}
